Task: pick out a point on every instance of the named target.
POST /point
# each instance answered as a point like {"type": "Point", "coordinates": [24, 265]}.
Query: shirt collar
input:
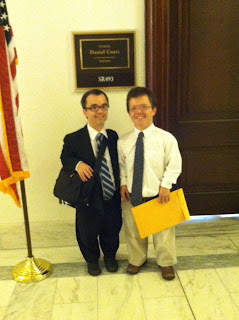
{"type": "Point", "coordinates": [146, 131]}
{"type": "Point", "coordinates": [93, 133]}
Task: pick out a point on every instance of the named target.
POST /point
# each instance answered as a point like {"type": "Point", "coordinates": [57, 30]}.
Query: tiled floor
{"type": "Point", "coordinates": [206, 286]}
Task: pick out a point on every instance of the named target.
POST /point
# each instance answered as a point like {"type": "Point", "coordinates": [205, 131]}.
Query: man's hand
{"type": "Point", "coordinates": [124, 193]}
{"type": "Point", "coordinates": [85, 172]}
{"type": "Point", "coordinates": [164, 195]}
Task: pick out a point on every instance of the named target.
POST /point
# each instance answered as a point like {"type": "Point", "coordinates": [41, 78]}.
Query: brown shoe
{"type": "Point", "coordinates": [168, 273]}
{"type": "Point", "coordinates": [131, 269]}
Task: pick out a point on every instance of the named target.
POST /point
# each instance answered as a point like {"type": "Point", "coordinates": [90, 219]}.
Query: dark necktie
{"type": "Point", "coordinates": [136, 193]}
{"type": "Point", "coordinates": [107, 183]}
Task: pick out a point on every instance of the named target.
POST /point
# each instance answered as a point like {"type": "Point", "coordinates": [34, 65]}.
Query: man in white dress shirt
{"type": "Point", "coordinates": [161, 167]}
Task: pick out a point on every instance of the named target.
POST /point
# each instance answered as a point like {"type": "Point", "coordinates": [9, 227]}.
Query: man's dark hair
{"type": "Point", "coordinates": [141, 91]}
{"type": "Point", "coordinates": [96, 92]}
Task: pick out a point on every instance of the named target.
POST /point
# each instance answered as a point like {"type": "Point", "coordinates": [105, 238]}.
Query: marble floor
{"type": "Point", "coordinates": [206, 285]}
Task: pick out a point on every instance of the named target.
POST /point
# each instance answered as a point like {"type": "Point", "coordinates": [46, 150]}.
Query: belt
{"type": "Point", "coordinates": [145, 199]}
{"type": "Point", "coordinates": [149, 198]}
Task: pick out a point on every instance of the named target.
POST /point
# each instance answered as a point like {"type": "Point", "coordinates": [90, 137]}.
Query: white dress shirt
{"type": "Point", "coordinates": [162, 159]}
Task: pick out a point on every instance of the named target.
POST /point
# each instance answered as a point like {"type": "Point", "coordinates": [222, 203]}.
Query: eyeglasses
{"type": "Point", "coordinates": [141, 108]}
{"type": "Point", "coordinates": [95, 108]}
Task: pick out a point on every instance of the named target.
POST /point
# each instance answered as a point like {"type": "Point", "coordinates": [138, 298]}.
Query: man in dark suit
{"type": "Point", "coordinates": [97, 224]}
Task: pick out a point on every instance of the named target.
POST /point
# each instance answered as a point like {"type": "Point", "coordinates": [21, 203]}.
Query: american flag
{"type": "Point", "coordinates": [13, 162]}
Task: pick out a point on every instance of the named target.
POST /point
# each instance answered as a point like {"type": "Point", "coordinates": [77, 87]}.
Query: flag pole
{"type": "Point", "coordinates": [12, 157]}
{"type": "Point", "coordinates": [26, 219]}
{"type": "Point", "coordinates": [30, 270]}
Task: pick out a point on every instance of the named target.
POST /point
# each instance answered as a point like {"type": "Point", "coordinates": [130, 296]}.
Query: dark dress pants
{"type": "Point", "coordinates": [99, 227]}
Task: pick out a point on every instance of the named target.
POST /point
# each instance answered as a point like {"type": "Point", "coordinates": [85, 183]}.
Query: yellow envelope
{"type": "Point", "coordinates": [152, 217]}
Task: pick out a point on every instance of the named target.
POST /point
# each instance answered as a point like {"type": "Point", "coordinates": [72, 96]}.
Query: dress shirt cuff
{"type": "Point", "coordinates": [166, 184]}
{"type": "Point", "coordinates": [123, 181]}
{"type": "Point", "coordinates": [77, 165]}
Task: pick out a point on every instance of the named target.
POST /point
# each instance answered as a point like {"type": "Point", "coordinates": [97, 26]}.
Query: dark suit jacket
{"type": "Point", "coordinates": [77, 147]}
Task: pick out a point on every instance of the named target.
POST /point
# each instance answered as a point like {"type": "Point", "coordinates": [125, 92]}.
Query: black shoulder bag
{"type": "Point", "coordinates": [71, 190]}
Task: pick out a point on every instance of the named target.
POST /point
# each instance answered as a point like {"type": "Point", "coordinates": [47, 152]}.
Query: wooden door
{"type": "Point", "coordinates": [192, 65]}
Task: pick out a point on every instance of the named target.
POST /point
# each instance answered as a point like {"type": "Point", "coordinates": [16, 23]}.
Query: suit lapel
{"type": "Point", "coordinates": [85, 140]}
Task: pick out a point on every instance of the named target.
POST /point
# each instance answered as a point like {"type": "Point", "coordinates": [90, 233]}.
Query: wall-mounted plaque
{"type": "Point", "coordinates": [104, 60]}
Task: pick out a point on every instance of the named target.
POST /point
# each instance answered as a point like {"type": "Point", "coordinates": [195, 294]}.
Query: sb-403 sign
{"type": "Point", "coordinates": [104, 60]}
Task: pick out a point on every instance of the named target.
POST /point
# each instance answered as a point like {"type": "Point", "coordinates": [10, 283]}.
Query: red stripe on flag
{"type": "Point", "coordinates": [17, 101]}
{"type": "Point", "coordinates": [7, 106]}
{"type": "Point", "coordinates": [4, 169]}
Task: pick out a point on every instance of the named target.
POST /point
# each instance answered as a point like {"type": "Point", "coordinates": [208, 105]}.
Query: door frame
{"type": "Point", "coordinates": [157, 56]}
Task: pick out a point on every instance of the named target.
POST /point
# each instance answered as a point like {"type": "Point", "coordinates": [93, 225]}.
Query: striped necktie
{"type": "Point", "coordinates": [137, 185]}
{"type": "Point", "coordinates": [107, 183]}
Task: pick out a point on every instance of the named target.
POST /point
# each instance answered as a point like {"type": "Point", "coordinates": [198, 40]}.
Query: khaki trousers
{"type": "Point", "coordinates": [164, 243]}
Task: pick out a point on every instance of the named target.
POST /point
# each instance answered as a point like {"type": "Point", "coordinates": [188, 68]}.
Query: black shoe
{"type": "Point", "coordinates": [111, 264]}
{"type": "Point", "coordinates": [93, 269]}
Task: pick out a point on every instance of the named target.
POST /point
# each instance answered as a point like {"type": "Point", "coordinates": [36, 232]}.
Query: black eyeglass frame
{"type": "Point", "coordinates": [96, 108]}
